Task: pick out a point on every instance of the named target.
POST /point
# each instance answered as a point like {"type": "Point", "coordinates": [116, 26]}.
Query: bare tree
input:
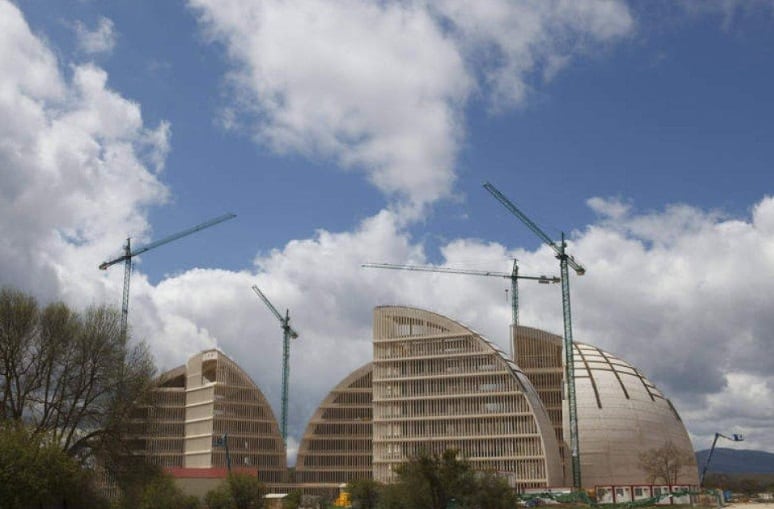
{"type": "Point", "coordinates": [73, 376]}
{"type": "Point", "coordinates": [665, 463]}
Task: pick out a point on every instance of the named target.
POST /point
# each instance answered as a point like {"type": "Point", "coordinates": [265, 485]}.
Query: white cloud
{"type": "Point", "coordinates": [683, 293]}
{"type": "Point", "coordinates": [729, 10]}
{"type": "Point", "coordinates": [101, 39]}
{"type": "Point", "coordinates": [381, 86]}
{"type": "Point", "coordinates": [319, 280]}
{"type": "Point", "coordinates": [690, 308]}
{"type": "Point", "coordinates": [512, 42]}
{"type": "Point", "coordinates": [742, 407]}
{"type": "Point", "coordinates": [73, 177]}
{"type": "Point", "coordinates": [375, 86]}
{"type": "Point", "coordinates": [614, 209]}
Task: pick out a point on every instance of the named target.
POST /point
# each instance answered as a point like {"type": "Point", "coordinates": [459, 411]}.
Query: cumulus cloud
{"type": "Point", "coordinates": [511, 43]}
{"type": "Point", "coordinates": [682, 293]}
{"type": "Point", "coordinates": [317, 279]}
{"type": "Point", "coordinates": [73, 174]}
{"type": "Point", "coordinates": [382, 86]}
{"type": "Point", "coordinates": [688, 304]}
{"type": "Point", "coordinates": [100, 39]}
{"type": "Point", "coordinates": [376, 86]}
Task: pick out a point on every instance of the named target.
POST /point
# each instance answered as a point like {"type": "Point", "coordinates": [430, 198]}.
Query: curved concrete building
{"type": "Point", "coordinates": [438, 385]}
{"type": "Point", "coordinates": [336, 447]}
{"type": "Point", "coordinates": [194, 406]}
{"type": "Point", "coordinates": [621, 414]}
{"type": "Point", "coordinates": [433, 385]}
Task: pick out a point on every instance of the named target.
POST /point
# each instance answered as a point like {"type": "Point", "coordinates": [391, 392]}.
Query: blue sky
{"type": "Point", "coordinates": [363, 132]}
{"type": "Point", "coordinates": [677, 112]}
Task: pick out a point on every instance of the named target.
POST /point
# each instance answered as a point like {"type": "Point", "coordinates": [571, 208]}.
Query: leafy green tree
{"type": "Point", "coordinates": [391, 497]}
{"type": "Point", "coordinates": [132, 475]}
{"type": "Point", "coordinates": [219, 498]}
{"type": "Point", "coordinates": [246, 490]}
{"type": "Point", "coordinates": [35, 472]}
{"type": "Point", "coordinates": [493, 492]}
{"type": "Point", "coordinates": [293, 500]}
{"type": "Point", "coordinates": [431, 481]}
{"type": "Point", "coordinates": [240, 491]}
{"type": "Point", "coordinates": [162, 493]}
{"type": "Point", "coordinates": [364, 493]}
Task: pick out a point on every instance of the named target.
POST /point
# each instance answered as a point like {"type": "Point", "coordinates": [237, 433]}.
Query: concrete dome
{"type": "Point", "coordinates": [621, 414]}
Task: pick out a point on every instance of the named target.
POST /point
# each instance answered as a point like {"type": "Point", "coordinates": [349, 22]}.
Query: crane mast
{"type": "Point", "coordinates": [515, 304]}
{"type": "Point", "coordinates": [129, 254]}
{"type": "Point", "coordinates": [287, 334]}
{"type": "Point", "coordinates": [513, 276]}
{"type": "Point", "coordinates": [565, 261]}
{"type": "Point", "coordinates": [125, 293]}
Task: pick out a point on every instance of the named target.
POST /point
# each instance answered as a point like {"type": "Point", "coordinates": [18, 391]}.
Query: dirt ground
{"type": "Point", "coordinates": [751, 505]}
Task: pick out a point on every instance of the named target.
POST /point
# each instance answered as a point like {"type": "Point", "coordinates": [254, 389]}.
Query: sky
{"type": "Point", "coordinates": [358, 131]}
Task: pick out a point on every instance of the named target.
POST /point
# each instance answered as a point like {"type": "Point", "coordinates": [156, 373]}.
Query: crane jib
{"type": "Point", "coordinates": [450, 270]}
{"type": "Point", "coordinates": [167, 239]}
{"type": "Point", "coordinates": [558, 249]}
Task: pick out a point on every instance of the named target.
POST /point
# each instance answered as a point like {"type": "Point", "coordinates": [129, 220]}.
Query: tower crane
{"type": "Point", "coordinates": [287, 334]}
{"type": "Point", "coordinates": [513, 276]}
{"type": "Point", "coordinates": [565, 260]}
{"type": "Point", "coordinates": [129, 254]}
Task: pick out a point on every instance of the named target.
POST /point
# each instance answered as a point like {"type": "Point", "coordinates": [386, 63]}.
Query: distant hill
{"type": "Point", "coordinates": [736, 461]}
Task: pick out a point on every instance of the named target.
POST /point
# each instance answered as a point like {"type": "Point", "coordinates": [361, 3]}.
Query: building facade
{"type": "Point", "coordinates": [433, 385]}
{"type": "Point", "coordinates": [198, 409]}
{"type": "Point", "coordinates": [336, 447]}
{"type": "Point", "coordinates": [438, 385]}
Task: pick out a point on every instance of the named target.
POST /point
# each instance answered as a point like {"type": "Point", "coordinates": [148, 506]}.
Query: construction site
{"type": "Point", "coordinates": [551, 414]}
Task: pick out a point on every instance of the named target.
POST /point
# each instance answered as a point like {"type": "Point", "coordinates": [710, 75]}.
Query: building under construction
{"type": "Point", "coordinates": [205, 418]}
{"type": "Point", "coordinates": [433, 384]}
{"type": "Point", "coordinates": [337, 443]}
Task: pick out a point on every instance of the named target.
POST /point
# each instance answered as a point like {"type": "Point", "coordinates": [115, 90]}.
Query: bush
{"type": "Point", "coordinates": [240, 491]}
{"type": "Point", "coordinates": [34, 472]}
{"type": "Point", "coordinates": [431, 481]}
{"type": "Point", "coordinates": [162, 493]}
